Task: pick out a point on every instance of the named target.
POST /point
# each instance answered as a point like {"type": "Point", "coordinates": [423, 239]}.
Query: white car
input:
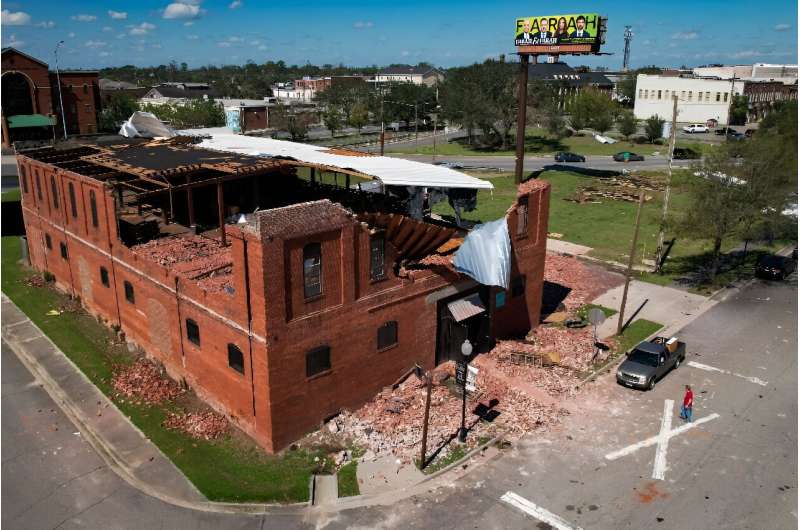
{"type": "Point", "coordinates": [695, 128]}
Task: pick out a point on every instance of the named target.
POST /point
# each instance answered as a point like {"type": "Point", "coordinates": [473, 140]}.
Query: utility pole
{"type": "Point", "coordinates": [416, 125]}
{"type": "Point", "coordinates": [630, 264]}
{"type": "Point", "coordinates": [423, 452]}
{"type": "Point", "coordinates": [522, 107]}
{"type": "Point", "coordinates": [434, 115]}
{"type": "Point", "coordinates": [60, 99]}
{"type": "Point", "coordinates": [660, 245]}
{"type": "Point", "coordinates": [626, 57]}
{"type": "Point", "coordinates": [730, 102]}
{"type": "Point", "coordinates": [383, 129]}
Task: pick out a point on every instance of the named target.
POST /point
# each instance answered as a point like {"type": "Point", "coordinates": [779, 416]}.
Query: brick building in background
{"type": "Point", "coordinates": [31, 90]}
{"type": "Point", "coordinates": [312, 304]}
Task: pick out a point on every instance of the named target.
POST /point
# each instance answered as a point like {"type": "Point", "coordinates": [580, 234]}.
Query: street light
{"type": "Point", "coordinates": [466, 351]}
{"type": "Point", "coordinates": [60, 99]}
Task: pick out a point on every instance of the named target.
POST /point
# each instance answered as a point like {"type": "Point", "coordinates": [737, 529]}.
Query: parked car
{"type": "Point", "coordinates": [566, 156]}
{"type": "Point", "coordinates": [628, 156]}
{"type": "Point", "coordinates": [451, 165]}
{"type": "Point", "coordinates": [723, 130]}
{"type": "Point", "coordinates": [774, 267]}
{"type": "Point", "coordinates": [695, 128]}
{"type": "Point", "coordinates": [685, 153]}
{"type": "Point", "coordinates": [650, 361]}
{"type": "Point", "coordinates": [749, 133]}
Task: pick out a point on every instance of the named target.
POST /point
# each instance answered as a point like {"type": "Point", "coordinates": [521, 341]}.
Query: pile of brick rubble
{"type": "Point", "coordinates": [144, 383]}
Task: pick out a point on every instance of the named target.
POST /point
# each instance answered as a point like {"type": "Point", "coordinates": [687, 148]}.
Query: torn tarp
{"type": "Point", "coordinates": [485, 254]}
{"type": "Point", "coordinates": [145, 125]}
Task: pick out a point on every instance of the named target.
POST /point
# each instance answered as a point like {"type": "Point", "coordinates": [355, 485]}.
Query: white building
{"type": "Point", "coordinates": [699, 99]}
{"type": "Point", "coordinates": [757, 71]}
{"type": "Point", "coordinates": [410, 74]}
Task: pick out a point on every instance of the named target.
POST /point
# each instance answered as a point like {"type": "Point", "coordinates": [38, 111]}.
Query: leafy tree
{"type": "Point", "coordinates": [359, 116]}
{"type": "Point", "coordinates": [332, 119]}
{"type": "Point", "coordinates": [626, 87]}
{"type": "Point", "coordinates": [627, 124]}
{"type": "Point", "coordinates": [592, 108]}
{"type": "Point", "coordinates": [738, 110]}
{"type": "Point", "coordinates": [286, 118]}
{"type": "Point", "coordinates": [603, 122]}
{"type": "Point", "coordinates": [118, 109]}
{"type": "Point", "coordinates": [653, 128]}
{"type": "Point", "coordinates": [192, 113]}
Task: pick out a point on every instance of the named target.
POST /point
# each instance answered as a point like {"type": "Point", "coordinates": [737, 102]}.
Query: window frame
{"type": "Point", "coordinates": [93, 208]}
{"type": "Point", "coordinates": [375, 273]}
{"type": "Point", "coordinates": [39, 187]}
{"type": "Point", "coordinates": [390, 325]}
{"type": "Point", "coordinates": [233, 349]}
{"type": "Point", "coordinates": [310, 252]}
{"type": "Point", "coordinates": [192, 331]}
{"type": "Point", "coordinates": [104, 278]}
{"type": "Point", "coordinates": [523, 208]}
{"type": "Point", "coordinates": [72, 202]}
{"type": "Point", "coordinates": [48, 242]}
{"type": "Point", "coordinates": [323, 368]}
{"type": "Point", "coordinates": [54, 189]}
{"type": "Point", "coordinates": [130, 294]}
{"type": "Point", "coordinates": [62, 246]}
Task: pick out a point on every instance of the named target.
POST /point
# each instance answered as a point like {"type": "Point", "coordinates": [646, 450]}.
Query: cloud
{"type": "Point", "coordinates": [193, 37]}
{"type": "Point", "coordinates": [142, 29]}
{"type": "Point", "coordinates": [224, 44]}
{"type": "Point", "coordinates": [118, 15]}
{"type": "Point", "coordinates": [262, 47]}
{"type": "Point", "coordinates": [782, 27]}
{"type": "Point", "coordinates": [188, 23]}
{"type": "Point", "coordinates": [17, 18]}
{"type": "Point", "coordinates": [83, 18]}
{"type": "Point", "coordinates": [104, 54]}
{"type": "Point", "coordinates": [71, 34]}
{"type": "Point", "coordinates": [181, 10]}
{"type": "Point", "coordinates": [122, 35]}
{"type": "Point", "coordinates": [14, 43]}
{"type": "Point", "coordinates": [95, 44]}
{"type": "Point", "coordinates": [235, 39]}
{"type": "Point", "coordinates": [404, 53]}
{"type": "Point", "coordinates": [362, 25]}
{"type": "Point", "coordinates": [155, 46]}
{"type": "Point", "coordinates": [108, 28]}
{"type": "Point", "coordinates": [685, 35]}
{"type": "Point", "coordinates": [236, 4]}
{"type": "Point", "coordinates": [49, 24]}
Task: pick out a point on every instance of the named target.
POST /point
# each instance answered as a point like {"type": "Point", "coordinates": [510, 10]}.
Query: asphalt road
{"type": "Point", "coordinates": [738, 470]}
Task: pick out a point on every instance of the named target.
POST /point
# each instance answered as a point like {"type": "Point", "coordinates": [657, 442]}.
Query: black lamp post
{"type": "Point", "coordinates": [466, 351]}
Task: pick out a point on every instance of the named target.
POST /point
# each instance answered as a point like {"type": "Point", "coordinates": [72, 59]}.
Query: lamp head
{"type": "Point", "coordinates": [466, 348]}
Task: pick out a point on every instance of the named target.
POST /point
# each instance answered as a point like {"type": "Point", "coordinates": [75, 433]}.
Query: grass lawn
{"type": "Point", "coordinates": [635, 333]}
{"type": "Point", "coordinates": [537, 142]}
{"type": "Point", "coordinates": [231, 469]}
{"type": "Point", "coordinates": [347, 481]}
{"type": "Point", "coordinates": [11, 195]}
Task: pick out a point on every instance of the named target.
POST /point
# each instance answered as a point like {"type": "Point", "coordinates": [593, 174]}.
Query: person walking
{"type": "Point", "coordinates": [688, 401]}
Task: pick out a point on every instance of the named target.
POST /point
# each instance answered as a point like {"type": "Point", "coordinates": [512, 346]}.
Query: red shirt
{"type": "Point", "coordinates": [688, 398]}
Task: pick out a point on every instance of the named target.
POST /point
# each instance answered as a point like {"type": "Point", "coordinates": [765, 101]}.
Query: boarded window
{"type": "Point", "coordinates": [192, 331]}
{"type": "Point", "coordinates": [48, 242]}
{"type": "Point", "coordinates": [104, 276]}
{"type": "Point", "coordinates": [522, 216]}
{"type": "Point", "coordinates": [38, 187]}
{"type": "Point", "coordinates": [93, 207]}
{"type": "Point", "coordinates": [63, 247]}
{"type": "Point", "coordinates": [318, 360]}
{"type": "Point", "coordinates": [54, 189]}
{"type": "Point", "coordinates": [377, 260]}
{"type": "Point", "coordinates": [235, 358]}
{"type": "Point", "coordinates": [129, 296]}
{"type": "Point", "coordinates": [72, 204]}
{"type": "Point", "coordinates": [312, 270]}
{"type": "Point", "coordinates": [23, 173]}
{"type": "Point", "coordinates": [518, 286]}
{"type": "Point", "coordinates": [387, 335]}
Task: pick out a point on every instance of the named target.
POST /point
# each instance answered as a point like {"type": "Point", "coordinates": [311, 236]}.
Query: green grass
{"type": "Point", "coordinates": [347, 480]}
{"type": "Point", "coordinates": [231, 469]}
{"type": "Point", "coordinates": [583, 311]}
{"type": "Point", "coordinates": [635, 333]}
{"type": "Point", "coordinates": [11, 195]}
{"type": "Point", "coordinates": [537, 142]}
{"type": "Point", "coordinates": [456, 453]}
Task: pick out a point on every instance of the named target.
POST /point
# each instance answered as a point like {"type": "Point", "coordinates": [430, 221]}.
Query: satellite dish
{"type": "Point", "coordinates": [596, 316]}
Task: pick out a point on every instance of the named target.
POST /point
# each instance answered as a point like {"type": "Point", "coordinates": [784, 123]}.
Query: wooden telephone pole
{"type": "Point", "coordinates": [522, 102]}
{"type": "Point", "coordinates": [630, 264]}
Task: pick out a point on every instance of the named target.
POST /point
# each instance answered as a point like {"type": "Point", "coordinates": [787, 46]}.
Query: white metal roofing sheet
{"type": "Point", "coordinates": [464, 308]}
{"type": "Point", "coordinates": [390, 171]}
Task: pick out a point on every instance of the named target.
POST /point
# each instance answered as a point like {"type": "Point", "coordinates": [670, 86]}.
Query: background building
{"type": "Point", "coordinates": [177, 93]}
{"type": "Point", "coordinates": [568, 80]}
{"type": "Point", "coordinates": [419, 75]}
{"type": "Point", "coordinates": [699, 99]}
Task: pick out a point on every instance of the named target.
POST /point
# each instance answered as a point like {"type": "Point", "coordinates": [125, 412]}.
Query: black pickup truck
{"type": "Point", "coordinates": [650, 361]}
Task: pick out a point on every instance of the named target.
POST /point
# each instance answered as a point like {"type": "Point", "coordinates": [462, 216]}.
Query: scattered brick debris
{"type": "Point", "coordinates": [144, 382]}
{"type": "Point", "coordinates": [584, 281]}
{"type": "Point", "coordinates": [202, 425]}
{"type": "Point", "coordinates": [35, 280]}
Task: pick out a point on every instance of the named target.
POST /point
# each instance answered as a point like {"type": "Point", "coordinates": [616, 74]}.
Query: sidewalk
{"type": "Point", "coordinates": [115, 438]}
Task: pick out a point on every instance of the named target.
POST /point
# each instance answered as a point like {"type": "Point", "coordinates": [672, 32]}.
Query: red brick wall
{"type": "Point", "coordinates": [37, 74]}
{"type": "Point", "coordinates": [81, 94]}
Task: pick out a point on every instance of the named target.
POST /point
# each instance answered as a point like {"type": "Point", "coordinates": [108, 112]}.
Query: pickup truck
{"type": "Point", "coordinates": [650, 361]}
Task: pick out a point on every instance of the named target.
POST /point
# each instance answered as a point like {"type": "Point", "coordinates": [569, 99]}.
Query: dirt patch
{"type": "Point", "coordinates": [201, 425]}
{"type": "Point", "coordinates": [144, 382]}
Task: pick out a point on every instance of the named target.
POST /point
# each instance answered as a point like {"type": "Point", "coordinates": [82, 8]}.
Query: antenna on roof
{"type": "Point", "coordinates": [626, 58]}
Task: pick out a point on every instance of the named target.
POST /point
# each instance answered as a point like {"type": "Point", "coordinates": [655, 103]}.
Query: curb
{"type": "Point", "coordinates": [465, 458]}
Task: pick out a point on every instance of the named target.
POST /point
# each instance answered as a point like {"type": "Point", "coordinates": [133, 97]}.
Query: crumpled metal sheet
{"type": "Point", "coordinates": [485, 254]}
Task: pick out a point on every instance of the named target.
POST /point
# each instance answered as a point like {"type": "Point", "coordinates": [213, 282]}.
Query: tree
{"type": "Point", "coordinates": [602, 122]}
{"type": "Point", "coordinates": [286, 118]}
{"type": "Point", "coordinates": [738, 110]}
{"type": "Point", "coordinates": [653, 128]}
{"type": "Point", "coordinates": [332, 118]}
{"type": "Point", "coordinates": [627, 124]}
{"type": "Point", "coordinates": [192, 113]}
{"type": "Point", "coordinates": [592, 108]}
{"type": "Point", "coordinates": [359, 116]}
{"type": "Point", "coordinates": [118, 109]}
{"type": "Point", "coordinates": [626, 87]}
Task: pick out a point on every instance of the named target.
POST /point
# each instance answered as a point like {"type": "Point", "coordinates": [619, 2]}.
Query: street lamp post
{"type": "Point", "coordinates": [466, 351]}
{"type": "Point", "coordinates": [434, 115]}
{"type": "Point", "coordinates": [60, 99]}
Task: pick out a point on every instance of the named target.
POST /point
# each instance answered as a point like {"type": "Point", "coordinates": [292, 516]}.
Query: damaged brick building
{"type": "Point", "coordinates": [279, 298]}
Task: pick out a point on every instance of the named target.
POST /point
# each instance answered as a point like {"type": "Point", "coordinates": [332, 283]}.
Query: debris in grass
{"type": "Point", "coordinates": [35, 280]}
{"type": "Point", "coordinates": [202, 425]}
{"type": "Point", "coordinates": [143, 380]}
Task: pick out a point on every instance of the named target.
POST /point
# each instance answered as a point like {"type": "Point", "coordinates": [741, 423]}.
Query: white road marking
{"type": "Point", "coordinates": [654, 439]}
{"type": "Point", "coordinates": [660, 464]}
{"type": "Point", "coordinates": [537, 512]}
{"type": "Point", "coordinates": [708, 368]}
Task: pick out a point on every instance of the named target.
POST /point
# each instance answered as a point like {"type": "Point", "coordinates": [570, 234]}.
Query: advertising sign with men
{"type": "Point", "coordinates": [565, 32]}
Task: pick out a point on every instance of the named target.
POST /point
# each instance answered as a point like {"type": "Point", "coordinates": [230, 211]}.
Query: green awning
{"type": "Point", "coordinates": [30, 120]}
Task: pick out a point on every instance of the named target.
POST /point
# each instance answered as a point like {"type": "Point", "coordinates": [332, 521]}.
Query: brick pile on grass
{"type": "Point", "coordinates": [143, 383]}
{"type": "Point", "coordinates": [201, 425]}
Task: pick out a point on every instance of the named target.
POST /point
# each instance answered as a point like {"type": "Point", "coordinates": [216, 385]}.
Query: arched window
{"type": "Point", "coordinates": [312, 270]}
{"type": "Point", "coordinates": [235, 358]}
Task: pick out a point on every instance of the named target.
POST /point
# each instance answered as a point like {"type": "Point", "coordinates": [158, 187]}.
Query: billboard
{"type": "Point", "coordinates": [559, 33]}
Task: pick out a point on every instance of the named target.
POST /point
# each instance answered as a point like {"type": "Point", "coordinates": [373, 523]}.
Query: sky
{"type": "Point", "coordinates": [446, 33]}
